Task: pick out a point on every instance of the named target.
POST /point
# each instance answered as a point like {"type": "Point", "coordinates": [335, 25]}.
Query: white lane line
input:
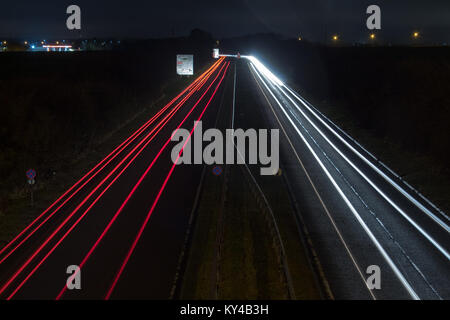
{"type": "Point", "coordinates": [370, 182]}
{"type": "Point", "coordinates": [374, 167]}
{"type": "Point", "coordinates": [347, 248]}
{"type": "Point", "coordinates": [304, 101]}
{"type": "Point", "coordinates": [390, 235]}
{"type": "Point", "coordinates": [375, 241]}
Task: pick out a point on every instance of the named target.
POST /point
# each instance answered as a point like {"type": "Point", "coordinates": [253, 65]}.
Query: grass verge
{"type": "Point", "coordinates": [249, 267]}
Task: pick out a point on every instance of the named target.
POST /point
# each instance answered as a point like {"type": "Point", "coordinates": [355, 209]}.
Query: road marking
{"type": "Point", "coordinates": [347, 248]}
{"type": "Point", "coordinates": [382, 174]}
{"type": "Point", "coordinates": [389, 234]}
{"type": "Point", "coordinates": [375, 241]}
{"type": "Point", "coordinates": [372, 184]}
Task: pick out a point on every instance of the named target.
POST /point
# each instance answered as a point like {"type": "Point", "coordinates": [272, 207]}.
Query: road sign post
{"type": "Point", "coordinates": [31, 174]}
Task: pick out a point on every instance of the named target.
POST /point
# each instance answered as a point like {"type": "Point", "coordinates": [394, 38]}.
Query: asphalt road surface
{"type": "Point", "coordinates": [126, 226]}
{"type": "Point", "coordinates": [358, 212]}
{"type": "Point", "coordinates": [125, 221]}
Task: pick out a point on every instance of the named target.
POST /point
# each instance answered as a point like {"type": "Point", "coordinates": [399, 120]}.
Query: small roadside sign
{"type": "Point", "coordinates": [31, 174]}
{"type": "Point", "coordinates": [185, 64]}
{"type": "Point", "coordinates": [216, 53]}
{"type": "Point", "coordinates": [217, 170]}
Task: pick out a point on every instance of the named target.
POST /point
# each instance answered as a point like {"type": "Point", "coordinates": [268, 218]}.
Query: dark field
{"type": "Point", "coordinates": [56, 107]}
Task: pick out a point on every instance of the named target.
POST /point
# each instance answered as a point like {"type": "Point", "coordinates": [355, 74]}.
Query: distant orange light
{"type": "Point", "coordinates": [415, 34]}
{"type": "Point", "coordinates": [372, 36]}
{"type": "Point", "coordinates": [335, 37]}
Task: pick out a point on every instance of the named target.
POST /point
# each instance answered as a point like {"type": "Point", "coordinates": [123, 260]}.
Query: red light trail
{"type": "Point", "coordinates": [141, 230]}
{"type": "Point", "coordinates": [161, 124]}
{"type": "Point", "coordinates": [138, 183]}
{"type": "Point", "coordinates": [114, 154]}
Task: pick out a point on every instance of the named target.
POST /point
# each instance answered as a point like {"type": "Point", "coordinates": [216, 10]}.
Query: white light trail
{"type": "Point", "coordinates": [374, 167]}
{"type": "Point", "coordinates": [375, 241]}
{"type": "Point", "coordinates": [266, 72]}
{"type": "Point", "coordinates": [371, 183]}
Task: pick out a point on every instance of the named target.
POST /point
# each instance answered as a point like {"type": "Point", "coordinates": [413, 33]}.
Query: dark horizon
{"type": "Point", "coordinates": [312, 21]}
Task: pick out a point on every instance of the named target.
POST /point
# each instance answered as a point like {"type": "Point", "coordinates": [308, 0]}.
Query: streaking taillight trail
{"type": "Point", "coordinates": [196, 84]}
{"type": "Point", "coordinates": [141, 230]}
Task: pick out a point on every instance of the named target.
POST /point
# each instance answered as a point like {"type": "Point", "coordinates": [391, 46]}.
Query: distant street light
{"type": "Point", "coordinates": [299, 38]}
{"type": "Point", "coordinates": [335, 38]}
{"type": "Point", "coordinates": [372, 36]}
{"type": "Point", "coordinates": [416, 35]}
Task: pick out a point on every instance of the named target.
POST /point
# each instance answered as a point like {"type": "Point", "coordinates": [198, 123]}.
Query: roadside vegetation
{"type": "Point", "coordinates": [233, 254]}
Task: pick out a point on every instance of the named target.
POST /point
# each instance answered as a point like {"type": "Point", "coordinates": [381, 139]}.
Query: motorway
{"type": "Point", "coordinates": [124, 222]}
{"type": "Point", "coordinates": [358, 212]}
{"type": "Point", "coordinates": [102, 223]}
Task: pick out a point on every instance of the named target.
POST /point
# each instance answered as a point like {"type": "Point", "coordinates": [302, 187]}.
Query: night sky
{"type": "Point", "coordinates": [312, 19]}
